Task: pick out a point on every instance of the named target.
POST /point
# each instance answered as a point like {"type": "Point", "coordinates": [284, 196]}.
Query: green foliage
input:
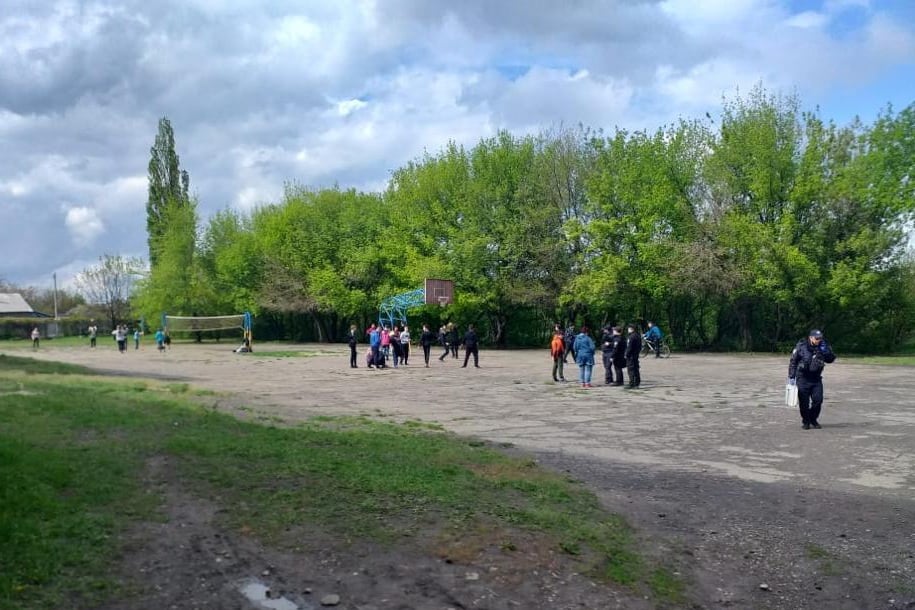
{"type": "Point", "coordinates": [168, 186]}
{"type": "Point", "coordinates": [742, 232]}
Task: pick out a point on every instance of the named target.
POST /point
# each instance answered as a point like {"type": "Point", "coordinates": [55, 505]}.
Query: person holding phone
{"type": "Point", "coordinates": [805, 369]}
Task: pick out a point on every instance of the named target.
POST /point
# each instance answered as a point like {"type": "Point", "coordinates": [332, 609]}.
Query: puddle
{"type": "Point", "coordinates": [256, 592]}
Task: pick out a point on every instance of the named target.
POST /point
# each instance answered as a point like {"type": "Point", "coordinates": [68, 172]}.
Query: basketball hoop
{"type": "Point", "coordinates": [442, 302]}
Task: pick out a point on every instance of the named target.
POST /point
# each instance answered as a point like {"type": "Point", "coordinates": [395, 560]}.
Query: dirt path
{"type": "Point", "coordinates": [703, 459]}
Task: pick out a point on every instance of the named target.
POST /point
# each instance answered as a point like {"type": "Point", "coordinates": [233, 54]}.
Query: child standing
{"type": "Point", "coordinates": [557, 352]}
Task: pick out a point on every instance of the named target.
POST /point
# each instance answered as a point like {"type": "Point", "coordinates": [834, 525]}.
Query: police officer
{"type": "Point", "coordinates": [606, 348]}
{"type": "Point", "coordinates": [470, 347]}
{"type": "Point", "coordinates": [618, 354]}
{"type": "Point", "coordinates": [633, 347]}
{"type": "Point", "coordinates": [809, 358]}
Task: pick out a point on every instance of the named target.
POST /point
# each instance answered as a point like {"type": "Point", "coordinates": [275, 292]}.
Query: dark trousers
{"type": "Point", "coordinates": [569, 351]}
{"type": "Point", "coordinates": [608, 368]}
{"type": "Point", "coordinates": [557, 369]}
{"type": "Point", "coordinates": [809, 399]}
{"type": "Point", "coordinates": [446, 352]}
{"type": "Point", "coordinates": [632, 368]}
{"type": "Point", "coordinates": [427, 351]}
{"type": "Point", "coordinates": [92, 342]}
{"type": "Point", "coordinates": [376, 356]}
{"type": "Point", "coordinates": [656, 346]}
{"type": "Point", "coordinates": [471, 349]}
{"type": "Point", "coordinates": [454, 350]}
{"type": "Point", "coordinates": [405, 349]}
{"type": "Point", "coordinates": [618, 368]}
{"type": "Point", "coordinates": [352, 355]}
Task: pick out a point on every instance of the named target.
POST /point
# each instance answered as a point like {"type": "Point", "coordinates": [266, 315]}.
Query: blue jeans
{"type": "Point", "coordinates": [584, 372]}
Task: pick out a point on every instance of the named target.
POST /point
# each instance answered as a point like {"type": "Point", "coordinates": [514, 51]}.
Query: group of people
{"type": "Point", "coordinates": [805, 368]}
{"type": "Point", "coordinates": [617, 351]}
{"type": "Point", "coordinates": [394, 344]}
{"type": "Point", "coordinates": [122, 333]}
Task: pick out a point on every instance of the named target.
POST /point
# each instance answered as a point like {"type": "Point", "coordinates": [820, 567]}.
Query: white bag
{"type": "Point", "coordinates": [790, 395]}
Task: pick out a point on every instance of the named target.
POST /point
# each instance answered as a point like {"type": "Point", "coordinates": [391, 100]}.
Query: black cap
{"type": "Point", "coordinates": [815, 334]}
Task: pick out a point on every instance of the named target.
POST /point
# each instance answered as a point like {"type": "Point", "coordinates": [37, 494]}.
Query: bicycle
{"type": "Point", "coordinates": [648, 348]}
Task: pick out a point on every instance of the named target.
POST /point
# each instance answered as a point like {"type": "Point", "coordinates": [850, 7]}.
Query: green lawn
{"type": "Point", "coordinates": [889, 360]}
{"type": "Point", "coordinates": [73, 449]}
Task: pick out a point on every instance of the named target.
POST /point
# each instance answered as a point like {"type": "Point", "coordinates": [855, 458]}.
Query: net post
{"type": "Point", "coordinates": [249, 333]}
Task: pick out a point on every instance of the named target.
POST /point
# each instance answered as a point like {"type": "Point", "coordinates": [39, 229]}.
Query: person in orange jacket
{"type": "Point", "coordinates": [557, 351]}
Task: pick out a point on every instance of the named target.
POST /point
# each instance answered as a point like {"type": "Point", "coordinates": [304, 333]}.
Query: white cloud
{"type": "Point", "coordinates": [347, 107]}
{"type": "Point", "coordinates": [264, 93]}
{"type": "Point", "coordinates": [807, 19]}
{"type": "Point", "coordinates": [84, 225]}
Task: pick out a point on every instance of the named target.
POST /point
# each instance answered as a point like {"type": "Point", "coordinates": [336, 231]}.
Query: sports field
{"type": "Point", "coordinates": [703, 459]}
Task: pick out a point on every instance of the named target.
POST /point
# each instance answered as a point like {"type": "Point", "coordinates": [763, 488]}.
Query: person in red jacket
{"type": "Point", "coordinates": [557, 353]}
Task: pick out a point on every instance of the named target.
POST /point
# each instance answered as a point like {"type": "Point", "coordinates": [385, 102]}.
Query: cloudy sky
{"type": "Point", "coordinates": [265, 92]}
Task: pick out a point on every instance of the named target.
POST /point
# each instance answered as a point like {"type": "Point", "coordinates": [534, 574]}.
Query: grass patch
{"type": "Point", "coordinates": [828, 563]}
{"type": "Point", "coordinates": [882, 360]}
{"type": "Point", "coordinates": [32, 366]}
{"type": "Point", "coordinates": [73, 452]}
{"type": "Point", "coordinates": [666, 585]}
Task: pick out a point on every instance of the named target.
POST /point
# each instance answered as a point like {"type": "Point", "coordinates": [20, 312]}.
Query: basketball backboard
{"type": "Point", "coordinates": [439, 292]}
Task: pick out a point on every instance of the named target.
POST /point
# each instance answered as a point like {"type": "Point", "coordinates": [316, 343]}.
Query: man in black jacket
{"type": "Point", "coordinates": [618, 354]}
{"type": "Point", "coordinates": [470, 347]}
{"type": "Point", "coordinates": [606, 348]}
{"type": "Point", "coordinates": [633, 348]}
{"type": "Point", "coordinates": [805, 369]}
{"type": "Point", "coordinates": [426, 339]}
{"type": "Point", "coordinates": [453, 340]}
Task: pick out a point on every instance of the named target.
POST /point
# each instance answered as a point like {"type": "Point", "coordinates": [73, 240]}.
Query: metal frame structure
{"type": "Point", "coordinates": [393, 310]}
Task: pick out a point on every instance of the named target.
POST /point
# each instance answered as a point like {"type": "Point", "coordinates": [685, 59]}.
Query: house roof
{"type": "Point", "coordinates": [13, 303]}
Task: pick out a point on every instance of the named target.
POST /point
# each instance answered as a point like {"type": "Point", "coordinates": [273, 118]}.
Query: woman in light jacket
{"type": "Point", "coordinates": [584, 356]}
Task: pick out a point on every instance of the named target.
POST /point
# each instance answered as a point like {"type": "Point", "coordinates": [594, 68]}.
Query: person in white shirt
{"type": "Point", "coordinates": [405, 343]}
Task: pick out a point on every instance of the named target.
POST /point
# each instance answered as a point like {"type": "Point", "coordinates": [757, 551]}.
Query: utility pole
{"type": "Point", "coordinates": [56, 317]}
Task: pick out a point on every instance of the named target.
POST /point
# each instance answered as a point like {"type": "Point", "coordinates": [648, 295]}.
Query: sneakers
{"type": "Point", "coordinates": [806, 426]}
{"type": "Point", "coordinates": [815, 425]}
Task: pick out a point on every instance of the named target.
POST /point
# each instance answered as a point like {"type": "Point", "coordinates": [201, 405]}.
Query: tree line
{"type": "Point", "coordinates": [736, 233]}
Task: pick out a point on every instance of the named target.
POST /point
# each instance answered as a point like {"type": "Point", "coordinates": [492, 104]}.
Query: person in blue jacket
{"type": "Point", "coordinates": [375, 344]}
{"type": "Point", "coordinates": [805, 369]}
{"type": "Point", "coordinates": [654, 336]}
{"type": "Point", "coordinates": [583, 348]}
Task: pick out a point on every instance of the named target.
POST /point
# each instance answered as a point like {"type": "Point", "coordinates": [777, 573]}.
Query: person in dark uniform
{"type": "Point", "coordinates": [352, 346]}
{"type": "Point", "coordinates": [618, 354]}
{"type": "Point", "coordinates": [443, 340]}
{"type": "Point", "coordinates": [454, 340]}
{"type": "Point", "coordinates": [569, 339]}
{"type": "Point", "coordinates": [470, 347]}
{"type": "Point", "coordinates": [426, 339]}
{"type": "Point", "coordinates": [606, 348]}
{"type": "Point", "coordinates": [809, 358]}
{"type": "Point", "coordinates": [633, 347]}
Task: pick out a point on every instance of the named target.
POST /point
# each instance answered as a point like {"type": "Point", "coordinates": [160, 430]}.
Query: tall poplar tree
{"type": "Point", "coordinates": [168, 186]}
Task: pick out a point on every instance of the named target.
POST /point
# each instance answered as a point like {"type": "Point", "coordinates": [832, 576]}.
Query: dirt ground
{"type": "Point", "coordinates": [715, 474]}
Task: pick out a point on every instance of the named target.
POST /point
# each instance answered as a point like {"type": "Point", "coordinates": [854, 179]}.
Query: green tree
{"type": "Point", "coordinates": [178, 284]}
{"type": "Point", "coordinates": [168, 185]}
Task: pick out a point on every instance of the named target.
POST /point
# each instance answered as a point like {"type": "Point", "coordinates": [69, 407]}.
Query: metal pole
{"type": "Point", "coordinates": [56, 317]}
